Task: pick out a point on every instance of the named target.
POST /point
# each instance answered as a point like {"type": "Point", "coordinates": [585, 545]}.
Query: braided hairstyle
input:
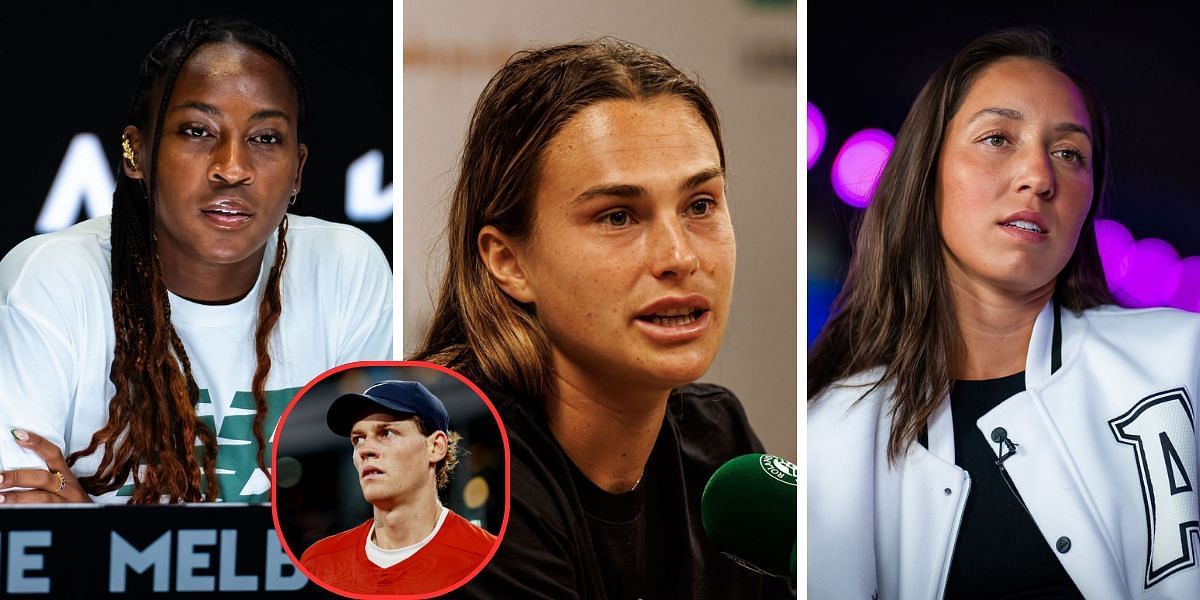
{"type": "Point", "coordinates": [152, 425]}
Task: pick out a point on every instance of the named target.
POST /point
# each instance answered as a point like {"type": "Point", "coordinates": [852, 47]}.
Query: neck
{"type": "Point", "coordinates": [995, 326]}
{"type": "Point", "coordinates": [607, 429]}
{"type": "Point", "coordinates": [208, 283]}
{"type": "Point", "coordinates": [406, 523]}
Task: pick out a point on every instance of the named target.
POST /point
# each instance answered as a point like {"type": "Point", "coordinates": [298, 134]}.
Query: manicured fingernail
{"type": "Point", "coordinates": [21, 435]}
{"type": "Point", "coordinates": [1, 498]}
{"type": "Point", "coordinates": [1, 478]}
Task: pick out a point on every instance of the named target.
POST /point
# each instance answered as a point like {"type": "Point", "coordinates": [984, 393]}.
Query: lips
{"type": "Point", "coordinates": [228, 213]}
{"type": "Point", "coordinates": [1026, 220]}
{"type": "Point", "coordinates": [1026, 226]}
{"type": "Point", "coordinates": [674, 311]}
{"type": "Point", "coordinates": [675, 319]}
{"type": "Point", "coordinates": [370, 472]}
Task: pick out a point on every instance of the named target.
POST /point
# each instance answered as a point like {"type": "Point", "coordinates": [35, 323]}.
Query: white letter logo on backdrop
{"type": "Point", "coordinates": [83, 178]}
{"type": "Point", "coordinates": [365, 200]}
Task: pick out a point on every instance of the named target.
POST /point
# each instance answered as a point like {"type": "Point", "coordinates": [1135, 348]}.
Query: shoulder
{"type": "Point", "coordinates": [855, 399]}
{"type": "Point", "coordinates": [529, 438]}
{"type": "Point", "coordinates": [711, 424]}
{"type": "Point", "coordinates": [1118, 322]}
{"type": "Point", "coordinates": [336, 544]}
{"type": "Point", "coordinates": [706, 407]}
{"type": "Point", "coordinates": [1157, 337]}
{"type": "Point", "coordinates": [465, 536]}
{"type": "Point", "coordinates": [326, 250]}
{"type": "Point", "coordinates": [326, 236]}
{"type": "Point", "coordinates": [58, 260]}
{"type": "Point", "coordinates": [538, 465]}
{"type": "Point", "coordinates": [332, 262]}
{"type": "Point", "coordinates": [545, 516]}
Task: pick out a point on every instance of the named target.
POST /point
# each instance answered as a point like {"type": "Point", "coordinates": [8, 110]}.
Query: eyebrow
{"type": "Point", "coordinates": [625, 190]}
{"type": "Point", "coordinates": [208, 109]}
{"type": "Point", "coordinates": [378, 425]}
{"type": "Point", "coordinates": [1015, 115]}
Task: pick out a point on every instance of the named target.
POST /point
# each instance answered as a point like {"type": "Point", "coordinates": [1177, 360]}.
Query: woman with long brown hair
{"type": "Point", "coordinates": [982, 421]}
{"type": "Point", "coordinates": [588, 285]}
{"type": "Point", "coordinates": [158, 347]}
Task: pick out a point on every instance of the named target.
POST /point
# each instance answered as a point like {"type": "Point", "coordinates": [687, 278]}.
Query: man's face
{"type": "Point", "coordinates": [395, 463]}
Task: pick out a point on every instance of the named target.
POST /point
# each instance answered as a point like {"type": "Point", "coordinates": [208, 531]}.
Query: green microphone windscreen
{"type": "Point", "coordinates": [749, 511]}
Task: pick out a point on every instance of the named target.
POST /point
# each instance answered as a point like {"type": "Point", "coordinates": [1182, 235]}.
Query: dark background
{"type": "Point", "coordinates": [867, 62]}
{"type": "Point", "coordinates": [69, 68]}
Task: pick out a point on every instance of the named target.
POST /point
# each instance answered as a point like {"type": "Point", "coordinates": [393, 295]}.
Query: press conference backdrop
{"type": "Point", "coordinates": [69, 72]}
{"type": "Point", "coordinates": [866, 64]}
{"type": "Point", "coordinates": [744, 52]}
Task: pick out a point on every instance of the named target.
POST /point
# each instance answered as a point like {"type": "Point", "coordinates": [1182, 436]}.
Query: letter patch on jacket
{"type": "Point", "coordinates": [1161, 430]}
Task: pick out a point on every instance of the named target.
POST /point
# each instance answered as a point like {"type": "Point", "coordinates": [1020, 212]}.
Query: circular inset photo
{"type": "Point", "coordinates": [390, 478]}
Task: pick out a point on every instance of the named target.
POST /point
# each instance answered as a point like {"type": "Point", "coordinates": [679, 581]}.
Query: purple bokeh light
{"type": "Point", "coordinates": [1187, 295]}
{"type": "Point", "coordinates": [859, 164]}
{"type": "Point", "coordinates": [816, 134]}
{"type": "Point", "coordinates": [1114, 242]}
{"type": "Point", "coordinates": [1152, 274]}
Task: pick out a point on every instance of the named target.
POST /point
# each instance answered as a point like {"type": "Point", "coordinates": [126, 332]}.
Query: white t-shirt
{"type": "Point", "coordinates": [388, 557]}
{"type": "Point", "coordinates": [57, 339]}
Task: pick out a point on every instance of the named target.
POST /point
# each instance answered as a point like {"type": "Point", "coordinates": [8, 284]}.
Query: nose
{"type": "Point", "coordinates": [1036, 173]}
{"type": "Point", "coordinates": [230, 163]}
{"type": "Point", "coordinates": [671, 250]}
{"type": "Point", "coordinates": [366, 449]}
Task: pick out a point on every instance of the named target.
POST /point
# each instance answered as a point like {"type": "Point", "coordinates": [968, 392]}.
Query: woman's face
{"type": "Point", "coordinates": [631, 258]}
{"type": "Point", "coordinates": [1014, 178]}
{"type": "Point", "coordinates": [228, 160]}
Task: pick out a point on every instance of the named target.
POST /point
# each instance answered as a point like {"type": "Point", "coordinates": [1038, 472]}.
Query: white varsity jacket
{"type": "Point", "coordinates": [1106, 462]}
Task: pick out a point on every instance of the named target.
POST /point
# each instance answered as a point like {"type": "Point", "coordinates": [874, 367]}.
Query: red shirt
{"type": "Point", "coordinates": [340, 560]}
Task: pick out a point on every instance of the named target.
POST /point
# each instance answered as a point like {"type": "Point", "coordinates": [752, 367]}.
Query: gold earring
{"type": "Point", "coordinates": [293, 200]}
{"type": "Point", "coordinates": [127, 152]}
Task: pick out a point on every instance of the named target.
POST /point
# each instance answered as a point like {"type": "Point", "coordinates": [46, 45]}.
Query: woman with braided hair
{"type": "Point", "coordinates": [159, 346]}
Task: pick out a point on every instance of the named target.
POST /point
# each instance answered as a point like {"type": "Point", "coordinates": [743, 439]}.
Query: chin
{"type": "Point", "coordinates": [374, 495]}
{"type": "Point", "coordinates": [1023, 281]}
{"type": "Point", "coordinates": [676, 371]}
{"type": "Point", "coordinates": [227, 254]}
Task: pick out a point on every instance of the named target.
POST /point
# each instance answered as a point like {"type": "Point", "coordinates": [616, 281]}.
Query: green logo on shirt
{"type": "Point", "coordinates": [238, 475]}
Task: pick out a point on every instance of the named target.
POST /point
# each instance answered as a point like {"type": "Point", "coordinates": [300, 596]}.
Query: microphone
{"type": "Point", "coordinates": [749, 511]}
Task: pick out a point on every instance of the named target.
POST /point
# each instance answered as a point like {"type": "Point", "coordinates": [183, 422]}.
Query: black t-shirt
{"type": "Point", "coordinates": [999, 553]}
{"type": "Point", "coordinates": [565, 539]}
{"type": "Point", "coordinates": [621, 533]}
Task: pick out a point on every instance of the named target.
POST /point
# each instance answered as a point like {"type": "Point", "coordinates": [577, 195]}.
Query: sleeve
{"type": "Point", "coordinates": [35, 389]}
{"type": "Point", "coordinates": [52, 294]}
{"type": "Point", "coordinates": [366, 332]}
{"type": "Point", "coordinates": [841, 497]}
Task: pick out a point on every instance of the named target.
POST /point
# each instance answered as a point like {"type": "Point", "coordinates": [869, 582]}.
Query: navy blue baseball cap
{"type": "Point", "coordinates": [404, 397]}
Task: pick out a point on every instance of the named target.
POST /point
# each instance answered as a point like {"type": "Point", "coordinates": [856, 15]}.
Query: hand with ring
{"type": "Point", "coordinates": [55, 484]}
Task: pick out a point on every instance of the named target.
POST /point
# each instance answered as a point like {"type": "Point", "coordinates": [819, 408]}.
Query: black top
{"type": "Point", "coordinates": [621, 533]}
{"type": "Point", "coordinates": [1000, 553]}
{"type": "Point", "coordinates": [566, 538]}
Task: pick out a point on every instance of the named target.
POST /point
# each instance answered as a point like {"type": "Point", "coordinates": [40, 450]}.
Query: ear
{"type": "Point", "coordinates": [133, 169]}
{"type": "Point", "coordinates": [303, 153]}
{"type": "Point", "coordinates": [502, 258]}
{"type": "Point", "coordinates": [438, 446]}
